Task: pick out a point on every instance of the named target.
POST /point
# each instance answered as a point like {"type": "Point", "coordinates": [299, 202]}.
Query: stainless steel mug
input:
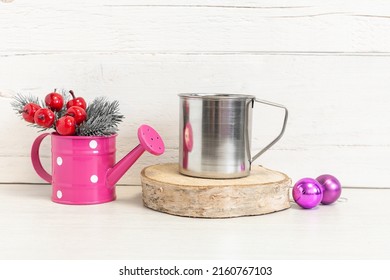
{"type": "Point", "coordinates": [215, 134]}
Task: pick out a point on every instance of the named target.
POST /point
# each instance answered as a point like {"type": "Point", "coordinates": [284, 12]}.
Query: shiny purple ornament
{"type": "Point", "coordinates": [307, 193]}
{"type": "Point", "coordinates": [331, 188]}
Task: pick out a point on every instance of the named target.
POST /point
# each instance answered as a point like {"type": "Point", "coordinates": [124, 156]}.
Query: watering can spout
{"type": "Point", "coordinates": [149, 140]}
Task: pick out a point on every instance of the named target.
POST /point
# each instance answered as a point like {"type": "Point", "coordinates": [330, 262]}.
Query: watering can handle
{"type": "Point", "coordinates": [36, 160]}
{"type": "Point", "coordinates": [281, 132]}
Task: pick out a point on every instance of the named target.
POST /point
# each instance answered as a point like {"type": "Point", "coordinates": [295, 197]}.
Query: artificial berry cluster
{"type": "Point", "coordinates": [74, 113]}
{"type": "Point", "coordinates": [69, 115]}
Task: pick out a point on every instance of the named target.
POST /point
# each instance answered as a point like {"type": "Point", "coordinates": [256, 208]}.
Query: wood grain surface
{"type": "Point", "coordinates": [35, 228]}
{"type": "Point", "coordinates": [166, 190]}
{"type": "Point", "coordinates": [328, 62]}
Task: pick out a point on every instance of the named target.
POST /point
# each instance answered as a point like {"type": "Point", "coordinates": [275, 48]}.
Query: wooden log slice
{"type": "Point", "coordinates": [166, 190]}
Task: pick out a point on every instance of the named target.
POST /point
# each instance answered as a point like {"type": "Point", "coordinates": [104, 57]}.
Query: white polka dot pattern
{"type": "Point", "coordinates": [59, 161]}
{"type": "Point", "coordinates": [93, 144]}
{"type": "Point", "coordinates": [59, 194]}
{"type": "Point", "coordinates": [94, 179]}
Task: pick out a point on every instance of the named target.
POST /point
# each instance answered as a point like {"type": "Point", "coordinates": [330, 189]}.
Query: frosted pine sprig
{"type": "Point", "coordinates": [20, 101]}
{"type": "Point", "coordinates": [103, 118]}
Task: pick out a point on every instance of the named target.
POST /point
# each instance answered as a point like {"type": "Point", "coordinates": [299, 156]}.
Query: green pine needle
{"type": "Point", "coordinates": [103, 118]}
{"type": "Point", "coordinates": [20, 101]}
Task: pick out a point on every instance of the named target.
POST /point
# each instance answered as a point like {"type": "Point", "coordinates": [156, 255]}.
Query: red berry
{"type": "Point", "coordinates": [76, 101]}
{"type": "Point", "coordinates": [29, 111]}
{"type": "Point", "coordinates": [78, 113]}
{"type": "Point", "coordinates": [54, 101]}
{"type": "Point", "coordinates": [44, 117]}
{"type": "Point", "coordinates": [66, 125]}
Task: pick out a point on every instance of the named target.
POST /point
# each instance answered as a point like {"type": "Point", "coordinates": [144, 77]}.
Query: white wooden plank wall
{"type": "Point", "coordinates": [327, 61]}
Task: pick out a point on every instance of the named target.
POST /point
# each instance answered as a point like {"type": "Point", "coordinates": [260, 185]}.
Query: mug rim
{"type": "Point", "coordinates": [217, 95]}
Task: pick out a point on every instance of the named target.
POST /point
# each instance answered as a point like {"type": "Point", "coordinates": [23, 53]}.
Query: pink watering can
{"type": "Point", "coordinates": [83, 167]}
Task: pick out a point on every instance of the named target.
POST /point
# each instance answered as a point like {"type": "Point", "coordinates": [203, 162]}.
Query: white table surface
{"type": "Point", "coordinates": [33, 227]}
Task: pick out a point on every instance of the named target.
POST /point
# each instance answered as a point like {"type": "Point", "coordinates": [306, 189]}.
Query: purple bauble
{"type": "Point", "coordinates": [331, 188]}
{"type": "Point", "coordinates": [307, 193]}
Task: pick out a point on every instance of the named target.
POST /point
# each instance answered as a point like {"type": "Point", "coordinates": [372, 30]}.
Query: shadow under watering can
{"type": "Point", "coordinates": [83, 167]}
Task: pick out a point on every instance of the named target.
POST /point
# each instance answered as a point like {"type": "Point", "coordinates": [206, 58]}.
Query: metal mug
{"type": "Point", "coordinates": [215, 134]}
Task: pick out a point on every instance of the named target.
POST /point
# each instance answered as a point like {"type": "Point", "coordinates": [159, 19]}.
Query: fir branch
{"type": "Point", "coordinates": [19, 101]}
{"type": "Point", "coordinates": [103, 118]}
{"type": "Point", "coordinates": [41, 128]}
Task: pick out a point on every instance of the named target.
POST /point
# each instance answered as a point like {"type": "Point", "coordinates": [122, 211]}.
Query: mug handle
{"type": "Point", "coordinates": [281, 132]}
{"type": "Point", "coordinates": [36, 161]}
